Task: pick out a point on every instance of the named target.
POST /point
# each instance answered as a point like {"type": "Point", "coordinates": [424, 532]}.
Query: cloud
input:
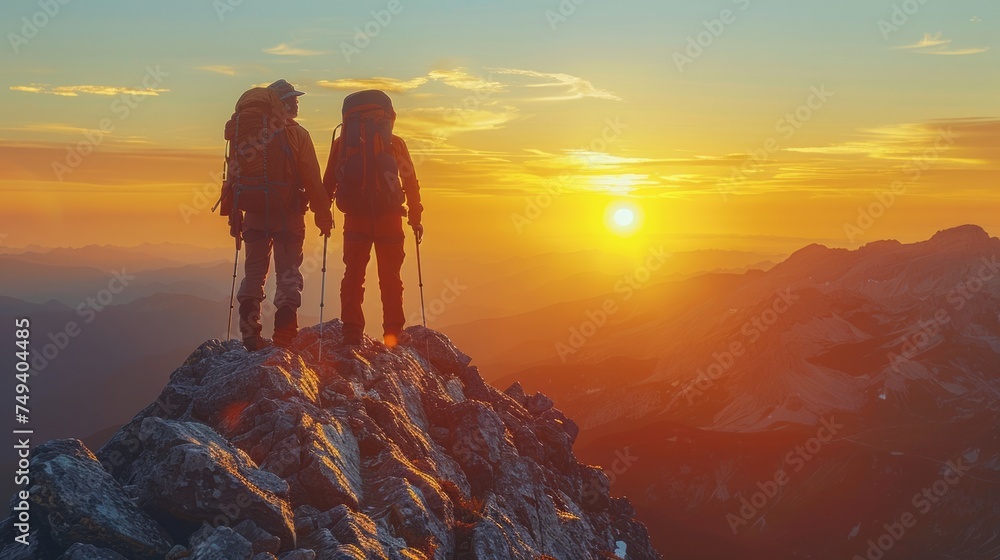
{"type": "Point", "coordinates": [936, 44]}
{"type": "Point", "coordinates": [56, 128]}
{"type": "Point", "coordinates": [574, 87]}
{"type": "Point", "coordinates": [75, 91]}
{"type": "Point", "coordinates": [224, 70]}
{"type": "Point", "coordinates": [284, 49]}
{"type": "Point", "coordinates": [385, 84]}
{"type": "Point", "coordinates": [929, 40]}
{"type": "Point", "coordinates": [459, 78]}
{"type": "Point", "coordinates": [960, 52]}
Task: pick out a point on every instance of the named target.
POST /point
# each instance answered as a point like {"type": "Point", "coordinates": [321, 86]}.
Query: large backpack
{"type": "Point", "coordinates": [261, 175]}
{"type": "Point", "coordinates": [367, 173]}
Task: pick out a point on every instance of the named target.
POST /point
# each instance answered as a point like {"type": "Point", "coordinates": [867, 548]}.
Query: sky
{"type": "Point", "coordinates": [732, 124]}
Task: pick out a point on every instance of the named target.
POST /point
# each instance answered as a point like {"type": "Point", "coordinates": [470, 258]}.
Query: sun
{"type": "Point", "coordinates": [624, 218]}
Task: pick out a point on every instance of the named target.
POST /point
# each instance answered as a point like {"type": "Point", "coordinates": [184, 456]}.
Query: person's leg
{"type": "Point", "coordinates": [288, 295]}
{"type": "Point", "coordinates": [251, 293]}
{"type": "Point", "coordinates": [357, 253]}
{"type": "Point", "coordinates": [389, 253]}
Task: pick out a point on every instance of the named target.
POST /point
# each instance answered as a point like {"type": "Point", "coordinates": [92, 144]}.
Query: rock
{"type": "Point", "coordinates": [517, 393]}
{"type": "Point", "coordinates": [189, 472]}
{"type": "Point", "coordinates": [300, 554]}
{"type": "Point", "coordinates": [90, 552]}
{"type": "Point", "coordinates": [82, 503]}
{"type": "Point", "coordinates": [539, 403]}
{"type": "Point", "coordinates": [261, 540]}
{"type": "Point", "coordinates": [178, 552]}
{"type": "Point", "coordinates": [374, 454]}
{"type": "Point", "coordinates": [219, 543]}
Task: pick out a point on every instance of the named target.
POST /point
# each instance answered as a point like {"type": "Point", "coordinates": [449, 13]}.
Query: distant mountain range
{"type": "Point", "coordinates": [711, 385]}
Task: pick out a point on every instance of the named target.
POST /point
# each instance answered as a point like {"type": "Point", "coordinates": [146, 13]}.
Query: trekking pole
{"type": "Point", "coordinates": [420, 277]}
{"type": "Point", "coordinates": [232, 293]}
{"type": "Point", "coordinates": [322, 297]}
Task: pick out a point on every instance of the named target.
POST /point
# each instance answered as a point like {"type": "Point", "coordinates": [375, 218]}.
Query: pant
{"type": "Point", "coordinates": [385, 232]}
{"type": "Point", "coordinates": [287, 249]}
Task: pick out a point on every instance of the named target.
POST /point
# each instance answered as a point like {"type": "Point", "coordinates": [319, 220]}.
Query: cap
{"type": "Point", "coordinates": [284, 89]}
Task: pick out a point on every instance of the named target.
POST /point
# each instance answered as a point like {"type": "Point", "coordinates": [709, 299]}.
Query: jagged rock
{"type": "Point", "coordinates": [300, 554]}
{"type": "Point", "coordinates": [219, 543]}
{"type": "Point", "coordinates": [90, 552]}
{"type": "Point", "coordinates": [261, 540]}
{"type": "Point", "coordinates": [81, 503]}
{"type": "Point", "coordinates": [372, 454]}
{"type": "Point", "coordinates": [539, 403]}
{"type": "Point", "coordinates": [516, 392]}
{"type": "Point", "coordinates": [189, 472]}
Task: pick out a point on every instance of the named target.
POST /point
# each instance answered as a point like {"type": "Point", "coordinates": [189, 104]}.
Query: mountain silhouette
{"type": "Point", "coordinates": [361, 453]}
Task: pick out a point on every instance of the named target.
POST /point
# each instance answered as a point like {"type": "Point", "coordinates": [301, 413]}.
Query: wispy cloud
{"type": "Point", "coordinates": [284, 49]}
{"type": "Point", "coordinates": [393, 85]}
{"type": "Point", "coordinates": [935, 43]}
{"type": "Point", "coordinates": [960, 52]}
{"type": "Point", "coordinates": [929, 40]}
{"type": "Point", "coordinates": [461, 79]}
{"type": "Point", "coordinates": [224, 70]}
{"type": "Point", "coordinates": [457, 78]}
{"type": "Point", "coordinates": [573, 87]}
{"type": "Point", "coordinates": [75, 91]}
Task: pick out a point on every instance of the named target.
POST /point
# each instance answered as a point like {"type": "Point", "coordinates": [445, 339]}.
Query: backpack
{"type": "Point", "coordinates": [367, 172]}
{"type": "Point", "coordinates": [260, 172]}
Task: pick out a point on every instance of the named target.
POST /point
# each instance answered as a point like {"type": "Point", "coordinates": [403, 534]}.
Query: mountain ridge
{"type": "Point", "coordinates": [369, 453]}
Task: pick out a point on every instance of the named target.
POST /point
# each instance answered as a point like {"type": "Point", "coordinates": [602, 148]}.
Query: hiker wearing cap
{"type": "Point", "coordinates": [281, 230]}
{"type": "Point", "coordinates": [371, 175]}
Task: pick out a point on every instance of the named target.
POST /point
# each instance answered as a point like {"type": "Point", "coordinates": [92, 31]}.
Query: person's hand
{"type": "Point", "coordinates": [325, 226]}
{"type": "Point", "coordinates": [418, 232]}
{"type": "Point", "coordinates": [235, 224]}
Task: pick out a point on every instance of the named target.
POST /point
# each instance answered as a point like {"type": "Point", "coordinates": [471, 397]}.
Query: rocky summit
{"type": "Point", "coordinates": [361, 453]}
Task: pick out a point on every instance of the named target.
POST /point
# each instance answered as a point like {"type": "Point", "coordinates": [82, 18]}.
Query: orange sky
{"type": "Point", "coordinates": [769, 139]}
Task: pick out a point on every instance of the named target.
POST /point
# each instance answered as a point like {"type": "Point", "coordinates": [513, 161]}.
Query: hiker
{"type": "Point", "coordinates": [363, 175]}
{"type": "Point", "coordinates": [272, 218]}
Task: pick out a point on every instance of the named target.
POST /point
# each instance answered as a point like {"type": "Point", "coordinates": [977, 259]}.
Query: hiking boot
{"type": "Point", "coordinates": [256, 342]}
{"type": "Point", "coordinates": [250, 326]}
{"type": "Point", "coordinates": [286, 327]}
{"type": "Point", "coordinates": [352, 340]}
{"type": "Point", "coordinates": [353, 335]}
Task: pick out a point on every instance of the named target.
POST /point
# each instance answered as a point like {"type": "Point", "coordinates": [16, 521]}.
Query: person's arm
{"type": "Point", "coordinates": [308, 166]}
{"type": "Point", "coordinates": [411, 187]}
{"type": "Point", "coordinates": [330, 177]}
